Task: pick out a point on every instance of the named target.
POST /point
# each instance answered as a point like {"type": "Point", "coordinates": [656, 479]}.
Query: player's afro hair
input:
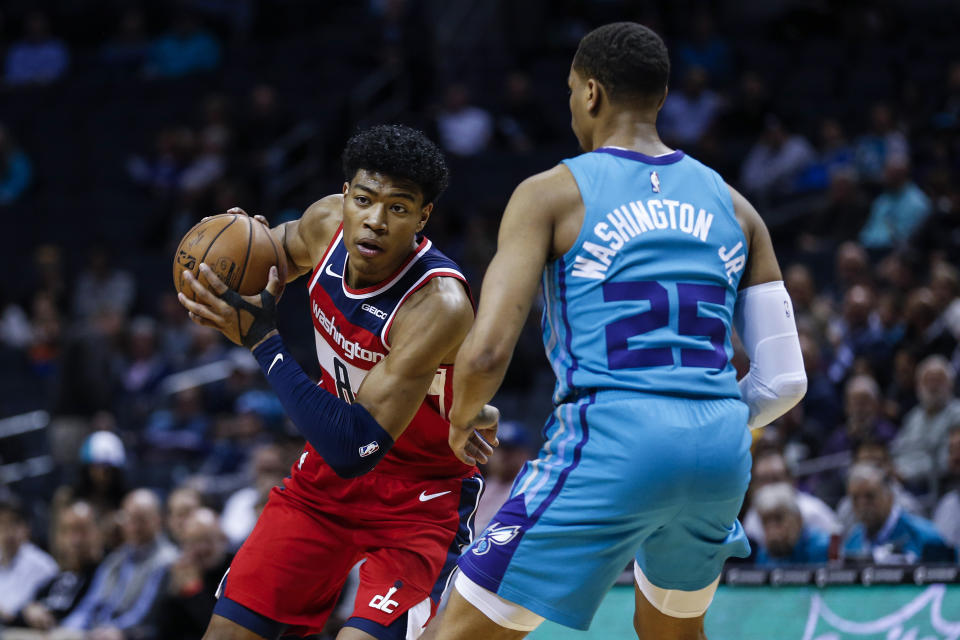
{"type": "Point", "coordinates": [628, 59]}
{"type": "Point", "coordinates": [400, 152]}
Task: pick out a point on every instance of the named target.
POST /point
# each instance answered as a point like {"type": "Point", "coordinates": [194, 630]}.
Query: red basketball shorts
{"type": "Point", "coordinates": [293, 566]}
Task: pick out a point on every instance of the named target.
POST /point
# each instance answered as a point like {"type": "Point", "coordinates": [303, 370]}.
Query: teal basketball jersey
{"type": "Point", "coordinates": [644, 299]}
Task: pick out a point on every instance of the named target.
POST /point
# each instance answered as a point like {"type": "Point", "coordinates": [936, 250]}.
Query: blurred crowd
{"type": "Point", "coordinates": [163, 441]}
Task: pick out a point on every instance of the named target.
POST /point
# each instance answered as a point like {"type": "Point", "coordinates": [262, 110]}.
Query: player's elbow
{"type": "Point", "coordinates": [489, 361]}
{"type": "Point", "coordinates": [793, 388]}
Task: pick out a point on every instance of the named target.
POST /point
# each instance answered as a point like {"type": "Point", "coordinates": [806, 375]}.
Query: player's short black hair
{"type": "Point", "coordinates": [628, 59]}
{"type": "Point", "coordinates": [400, 152]}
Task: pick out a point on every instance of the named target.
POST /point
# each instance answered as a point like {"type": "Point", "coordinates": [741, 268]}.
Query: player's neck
{"type": "Point", "coordinates": [627, 131]}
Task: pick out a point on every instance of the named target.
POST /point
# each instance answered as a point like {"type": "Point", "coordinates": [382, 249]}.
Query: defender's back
{"type": "Point", "coordinates": [644, 298]}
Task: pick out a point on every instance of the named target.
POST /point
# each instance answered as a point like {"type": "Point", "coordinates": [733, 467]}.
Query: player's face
{"type": "Point", "coordinates": [381, 217]}
{"type": "Point", "coordinates": [579, 108]}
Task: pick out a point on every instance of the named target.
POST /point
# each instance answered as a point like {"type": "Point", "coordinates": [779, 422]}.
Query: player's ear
{"type": "Point", "coordinates": [663, 98]}
{"type": "Point", "coordinates": [346, 187]}
{"type": "Point", "coordinates": [424, 216]}
{"type": "Point", "coordinates": [593, 95]}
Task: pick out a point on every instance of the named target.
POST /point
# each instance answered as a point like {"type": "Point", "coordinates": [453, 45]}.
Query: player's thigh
{"type": "Point", "coordinates": [221, 628]}
{"type": "Point", "coordinates": [651, 624]}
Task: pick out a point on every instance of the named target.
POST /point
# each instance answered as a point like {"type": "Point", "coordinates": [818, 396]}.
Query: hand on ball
{"type": "Point", "coordinates": [244, 320]}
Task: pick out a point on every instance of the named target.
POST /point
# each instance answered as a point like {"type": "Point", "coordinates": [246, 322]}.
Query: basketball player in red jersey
{"type": "Point", "coordinates": [389, 312]}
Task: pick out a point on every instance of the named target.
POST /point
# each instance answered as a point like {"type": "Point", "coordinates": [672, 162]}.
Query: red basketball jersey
{"type": "Point", "coordinates": [352, 329]}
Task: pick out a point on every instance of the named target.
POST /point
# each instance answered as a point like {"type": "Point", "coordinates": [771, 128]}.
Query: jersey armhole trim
{"type": "Point", "coordinates": [419, 284]}
{"type": "Point", "coordinates": [326, 256]}
{"type": "Point", "coordinates": [568, 257]}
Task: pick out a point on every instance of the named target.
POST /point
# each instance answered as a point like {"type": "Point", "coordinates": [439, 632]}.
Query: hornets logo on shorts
{"type": "Point", "coordinates": [496, 533]}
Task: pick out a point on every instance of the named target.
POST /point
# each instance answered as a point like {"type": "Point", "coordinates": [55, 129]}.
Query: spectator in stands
{"type": "Point", "coordinates": [521, 121]}
{"type": "Point", "coordinates": [773, 164]}
{"type": "Point", "coordinates": [788, 538]}
{"type": "Point", "coordinates": [924, 334]}
{"type": "Point", "coordinates": [884, 533]}
{"type": "Point", "coordinates": [16, 171]}
{"type": "Point", "coordinates": [858, 334]}
{"type": "Point", "coordinates": [877, 455]}
{"type": "Point", "coordinates": [101, 482]}
{"type": "Point", "coordinates": [24, 567]}
{"type": "Point", "coordinates": [770, 468]}
{"type": "Point", "coordinates": [882, 143]}
{"type": "Point", "coordinates": [897, 212]}
{"type": "Point", "coordinates": [268, 467]}
{"type": "Point", "coordinates": [160, 173]}
{"type": "Point", "coordinates": [102, 285]}
{"type": "Point", "coordinates": [180, 429]}
{"type": "Point", "coordinates": [821, 406]}
{"type": "Point", "coordinates": [205, 346]}
{"type": "Point", "coordinates": [173, 330]}
{"type": "Point", "coordinates": [184, 50]}
{"type": "Point", "coordinates": [748, 109]}
{"type": "Point", "coordinates": [688, 113]}
{"type": "Point", "coordinates": [810, 309]}
{"type": "Point", "coordinates": [39, 58]}
{"type": "Point", "coordinates": [920, 448]}
{"type": "Point", "coordinates": [501, 470]}
{"type": "Point", "coordinates": [127, 50]}
{"type": "Point", "coordinates": [78, 549]}
{"type": "Point", "coordinates": [128, 581]}
{"type": "Point", "coordinates": [851, 266]}
{"type": "Point", "coordinates": [143, 369]}
{"type": "Point", "coordinates": [901, 393]}
{"type": "Point", "coordinates": [864, 422]}
{"type": "Point", "coordinates": [945, 285]}
{"type": "Point", "coordinates": [187, 603]}
{"type": "Point", "coordinates": [705, 49]}
{"type": "Point", "coordinates": [844, 210]}
{"type": "Point", "coordinates": [946, 516]}
{"type": "Point", "coordinates": [181, 503]}
{"type": "Point", "coordinates": [264, 122]}
{"type": "Point", "coordinates": [464, 128]}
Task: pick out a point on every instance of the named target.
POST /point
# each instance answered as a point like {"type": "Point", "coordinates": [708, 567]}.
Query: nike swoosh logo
{"type": "Point", "coordinates": [331, 273]}
{"type": "Point", "coordinates": [277, 358]}
{"type": "Point", "coordinates": [424, 496]}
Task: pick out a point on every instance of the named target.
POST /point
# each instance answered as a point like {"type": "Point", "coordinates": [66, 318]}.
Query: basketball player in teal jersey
{"type": "Point", "coordinates": [647, 261]}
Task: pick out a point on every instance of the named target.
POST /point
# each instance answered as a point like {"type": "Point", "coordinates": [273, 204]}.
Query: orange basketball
{"type": "Point", "coordinates": [239, 249]}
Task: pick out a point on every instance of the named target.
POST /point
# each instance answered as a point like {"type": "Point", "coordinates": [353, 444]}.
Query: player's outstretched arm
{"type": "Point", "coordinates": [765, 321]}
{"type": "Point", "coordinates": [523, 247]}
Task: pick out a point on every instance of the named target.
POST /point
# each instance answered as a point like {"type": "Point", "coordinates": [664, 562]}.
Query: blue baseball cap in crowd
{"type": "Point", "coordinates": [103, 447]}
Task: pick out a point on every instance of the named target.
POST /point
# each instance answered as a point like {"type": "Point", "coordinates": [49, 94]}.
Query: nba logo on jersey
{"type": "Point", "coordinates": [655, 182]}
{"type": "Point", "coordinates": [367, 449]}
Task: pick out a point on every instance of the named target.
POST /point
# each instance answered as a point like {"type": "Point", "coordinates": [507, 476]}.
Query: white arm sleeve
{"type": "Point", "coordinates": [776, 381]}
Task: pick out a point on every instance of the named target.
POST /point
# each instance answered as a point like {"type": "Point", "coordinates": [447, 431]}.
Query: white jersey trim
{"type": "Point", "coordinates": [443, 271]}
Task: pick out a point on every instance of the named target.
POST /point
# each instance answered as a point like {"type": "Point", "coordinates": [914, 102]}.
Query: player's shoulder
{"type": "Point", "coordinates": [746, 214]}
{"type": "Point", "coordinates": [322, 218]}
{"type": "Point", "coordinates": [442, 303]}
{"type": "Point", "coordinates": [553, 189]}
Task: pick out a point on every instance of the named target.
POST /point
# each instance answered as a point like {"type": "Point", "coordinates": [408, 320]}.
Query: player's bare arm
{"type": "Point", "coordinates": [304, 240]}
{"type": "Point", "coordinates": [764, 320]}
{"type": "Point", "coordinates": [533, 230]}
{"type": "Point", "coordinates": [394, 389]}
{"type": "Point", "coordinates": [762, 263]}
